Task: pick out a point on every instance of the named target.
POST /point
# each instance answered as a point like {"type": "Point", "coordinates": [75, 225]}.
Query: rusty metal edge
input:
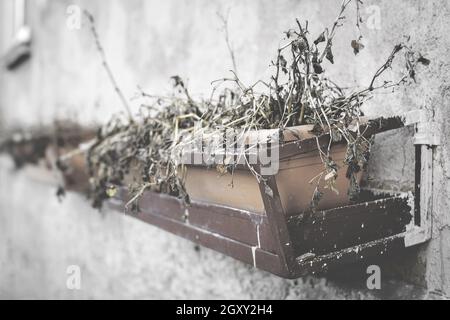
{"type": "Point", "coordinates": [324, 263]}
{"type": "Point", "coordinates": [251, 255]}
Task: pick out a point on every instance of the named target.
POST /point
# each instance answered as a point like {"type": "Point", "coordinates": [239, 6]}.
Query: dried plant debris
{"type": "Point", "coordinates": [298, 93]}
{"type": "Point", "coordinates": [140, 150]}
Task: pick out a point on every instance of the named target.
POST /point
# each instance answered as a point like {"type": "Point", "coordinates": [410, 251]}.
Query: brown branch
{"type": "Point", "coordinates": [336, 24]}
{"type": "Point", "coordinates": [106, 66]}
{"type": "Point", "coordinates": [386, 65]}
{"type": "Point", "coordinates": [224, 20]}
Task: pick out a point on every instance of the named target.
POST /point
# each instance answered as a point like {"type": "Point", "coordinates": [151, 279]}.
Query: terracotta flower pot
{"type": "Point", "coordinates": [241, 190]}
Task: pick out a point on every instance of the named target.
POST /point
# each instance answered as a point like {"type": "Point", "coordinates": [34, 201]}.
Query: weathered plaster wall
{"type": "Point", "coordinates": [147, 42]}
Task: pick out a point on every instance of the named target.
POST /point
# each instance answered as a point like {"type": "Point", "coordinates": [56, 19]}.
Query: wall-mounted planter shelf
{"type": "Point", "coordinates": [293, 245]}
{"type": "Point", "coordinates": [288, 244]}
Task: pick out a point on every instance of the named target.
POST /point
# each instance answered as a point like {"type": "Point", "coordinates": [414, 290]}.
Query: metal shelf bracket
{"type": "Point", "coordinates": [426, 139]}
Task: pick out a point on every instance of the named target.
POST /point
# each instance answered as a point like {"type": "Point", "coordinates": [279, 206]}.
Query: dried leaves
{"type": "Point", "coordinates": [357, 46]}
{"type": "Point", "coordinates": [139, 153]}
{"type": "Point", "coordinates": [298, 93]}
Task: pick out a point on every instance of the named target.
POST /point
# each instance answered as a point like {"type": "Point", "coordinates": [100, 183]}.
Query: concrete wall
{"type": "Point", "coordinates": [147, 42]}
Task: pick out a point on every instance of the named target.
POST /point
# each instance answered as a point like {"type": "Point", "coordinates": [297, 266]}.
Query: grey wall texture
{"type": "Point", "coordinates": [146, 43]}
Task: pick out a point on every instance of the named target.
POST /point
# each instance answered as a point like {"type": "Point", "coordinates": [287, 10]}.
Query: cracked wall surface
{"type": "Point", "coordinates": [146, 43]}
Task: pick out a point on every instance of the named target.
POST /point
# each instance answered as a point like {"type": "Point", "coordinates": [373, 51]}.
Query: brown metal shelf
{"type": "Point", "coordinates": [291, 246]}
{"type": "Point", "coordinates": [248, 237]}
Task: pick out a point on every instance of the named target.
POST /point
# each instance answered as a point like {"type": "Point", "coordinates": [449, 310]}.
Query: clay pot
{"type": "Point", "coordinates": [241, 190]}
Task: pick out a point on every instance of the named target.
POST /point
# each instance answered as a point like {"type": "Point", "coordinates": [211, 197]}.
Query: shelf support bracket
{"type": "Point", "coordinates": [426, 139]}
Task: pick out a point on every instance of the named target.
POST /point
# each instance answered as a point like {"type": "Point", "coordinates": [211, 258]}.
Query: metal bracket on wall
{"type": "Point", "coordinates": [426, 139]}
